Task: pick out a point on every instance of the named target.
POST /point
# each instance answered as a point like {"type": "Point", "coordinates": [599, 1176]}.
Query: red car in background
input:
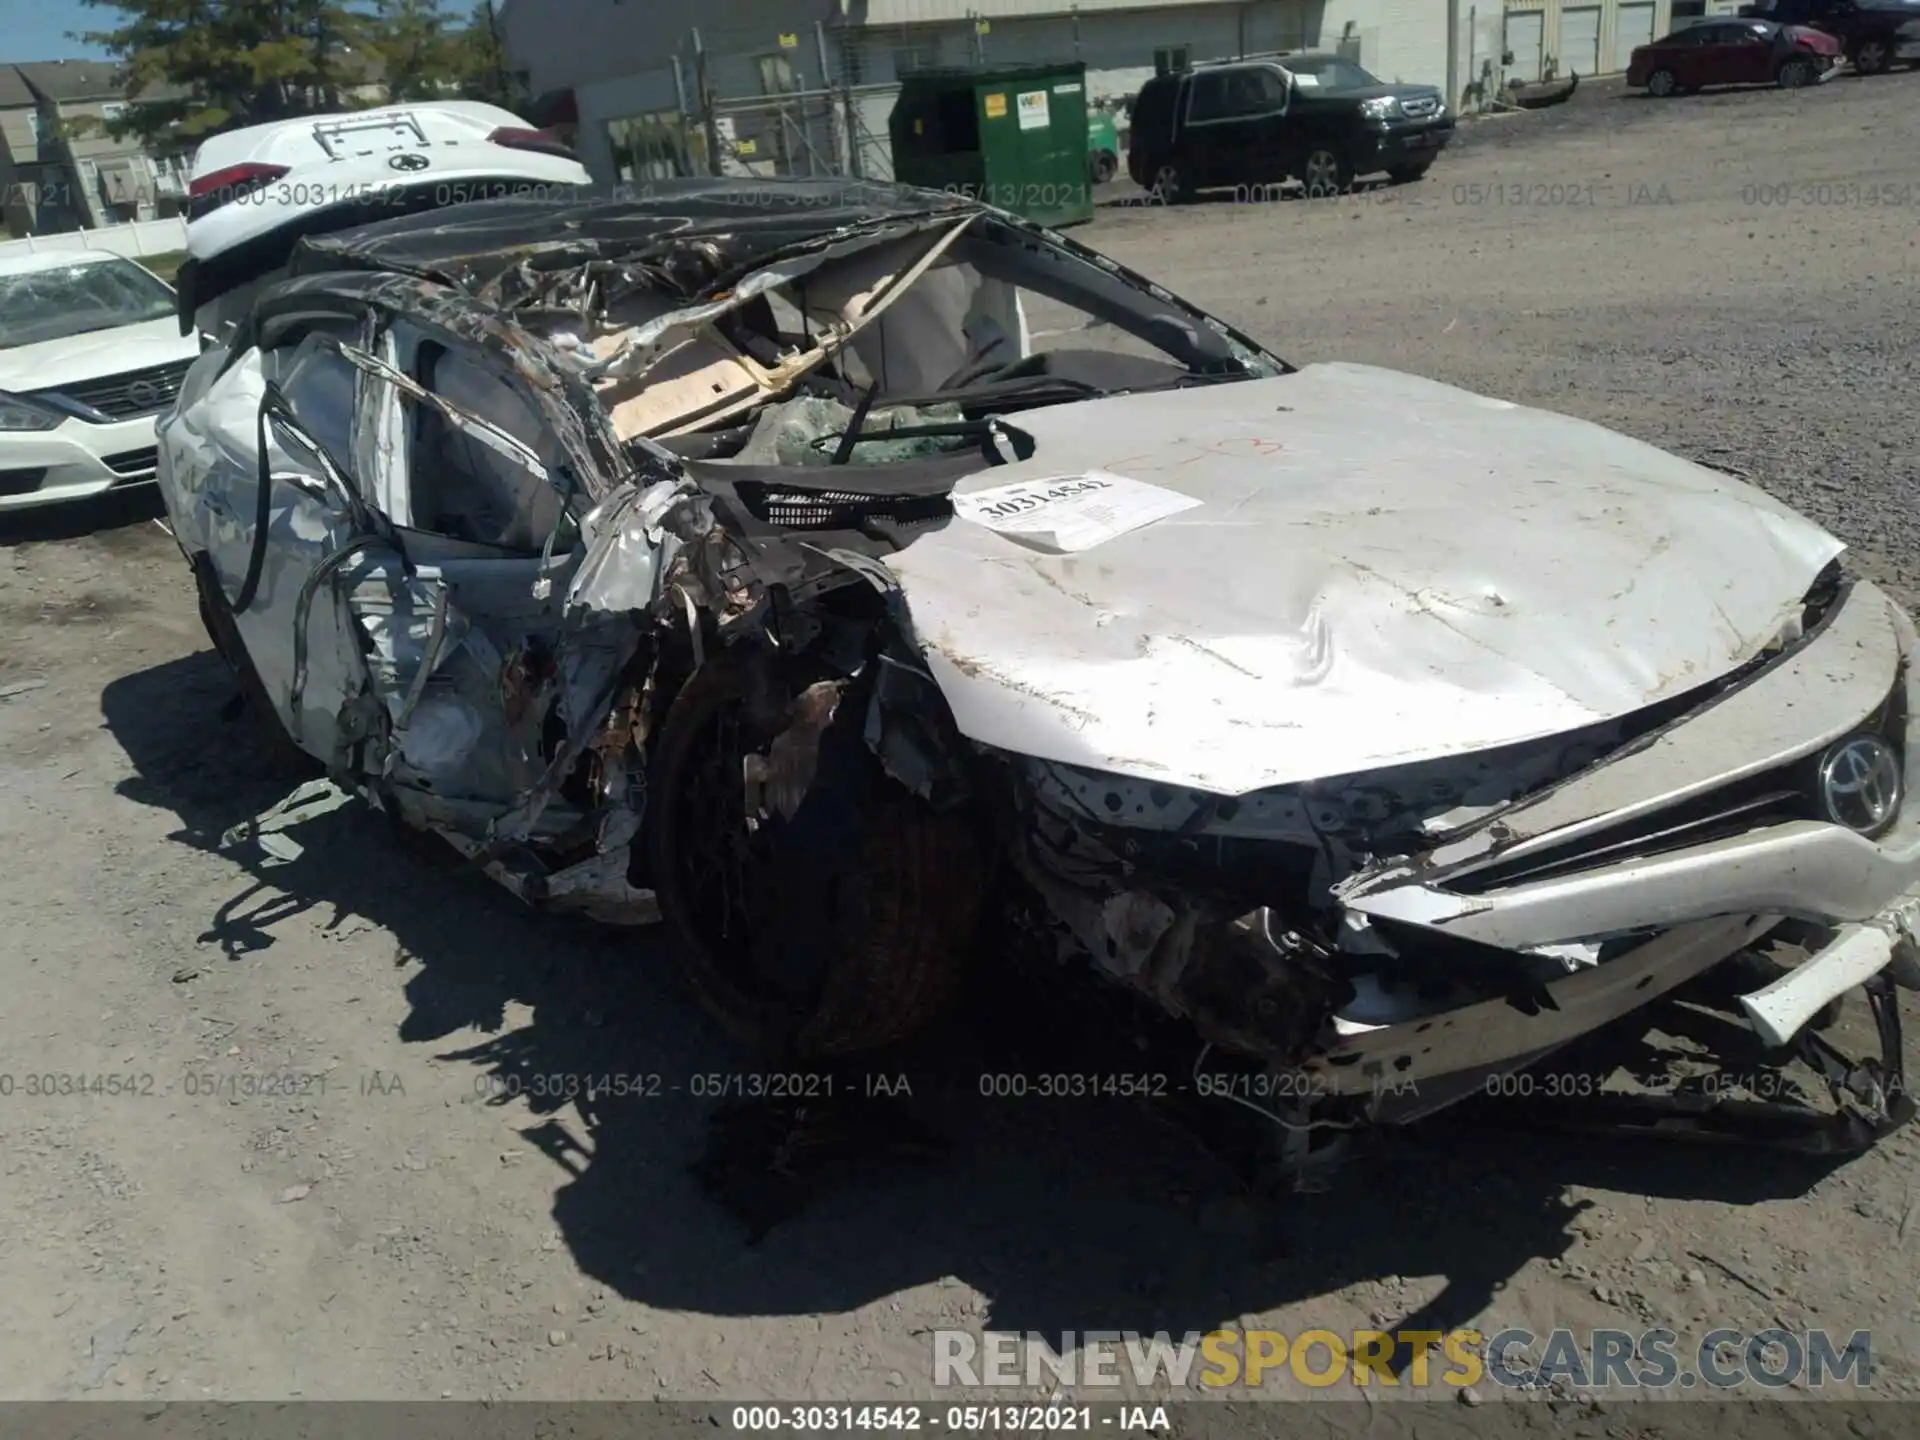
{"type": "Point", "coordinates": [1734, 52]}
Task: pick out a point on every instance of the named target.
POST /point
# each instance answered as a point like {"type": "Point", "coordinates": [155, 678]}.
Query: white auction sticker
{"type": "Point", "coordinates": [1070, 512]}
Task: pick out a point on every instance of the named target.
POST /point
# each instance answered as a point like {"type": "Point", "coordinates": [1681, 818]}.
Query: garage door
{"type": "Point", "coordinates": [1633, 27]}
{"type": "Point", "coordinates": [1580, 41]}
{"type": "Point", "coordinates": [1524, 29]}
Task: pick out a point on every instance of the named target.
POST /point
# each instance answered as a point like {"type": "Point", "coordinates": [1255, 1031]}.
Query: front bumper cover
{"type": "Point", "coordinates": [1407, 145]}
{"type": "Point", "coordinates": [1537, 923]}
{"type": "Point", "coordinates": [74, 460]}
{"type": "Point", "coordinates": [1818, 692]}
{"type": "Point", "coordinates": [1705, 901]}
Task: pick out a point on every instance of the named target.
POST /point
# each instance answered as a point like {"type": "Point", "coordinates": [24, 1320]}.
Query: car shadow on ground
{"type": "Point", "coordinates": [1065, 1214]}
{"type": "Point", "coordinates": [98, 515]}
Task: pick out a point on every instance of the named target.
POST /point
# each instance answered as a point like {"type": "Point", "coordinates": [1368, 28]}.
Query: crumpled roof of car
{"type": "Point", "coordinates": [742, 221]}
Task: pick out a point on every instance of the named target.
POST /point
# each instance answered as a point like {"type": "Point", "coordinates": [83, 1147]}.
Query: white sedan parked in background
{"type": "Point", "coordinates": [90, 354]}
{"type": "Point", "coordinates": [256, 192]}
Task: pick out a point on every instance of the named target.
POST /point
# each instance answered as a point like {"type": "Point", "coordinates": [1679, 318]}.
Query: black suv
{"type": "Point", "coordinates": [1319, 119]}
{"type": "Point", "coordinates": [1874, 33]}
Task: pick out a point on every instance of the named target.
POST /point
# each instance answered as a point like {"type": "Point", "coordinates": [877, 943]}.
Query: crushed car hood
{"type": "Point", "coordinates": [1371, 569]}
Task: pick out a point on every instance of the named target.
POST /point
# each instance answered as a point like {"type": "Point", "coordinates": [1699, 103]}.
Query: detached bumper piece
{"type": "Point", "coordinates": [1871, 1096]}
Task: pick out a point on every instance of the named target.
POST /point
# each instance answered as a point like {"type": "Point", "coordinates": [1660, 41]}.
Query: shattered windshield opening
{"type": "Point", "coordinates": [53, 304]}
{"type": "Point", "coordinates": [899, 347]}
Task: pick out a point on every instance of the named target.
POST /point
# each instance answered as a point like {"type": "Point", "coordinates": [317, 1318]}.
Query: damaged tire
{"type": "Point", "coordinates": [216, 614]}
{"type": "Point", "coordinates": [842, 928]}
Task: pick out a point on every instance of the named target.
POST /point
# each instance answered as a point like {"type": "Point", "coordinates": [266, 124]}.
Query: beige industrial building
{"type": "Point", "coordinates": [805, 86]}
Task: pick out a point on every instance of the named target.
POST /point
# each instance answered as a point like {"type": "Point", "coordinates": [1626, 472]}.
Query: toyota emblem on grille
{"type": "Point", "coordinates": [145, 395]}
{"type": "Point", "coordinates": [408, 160]}
{"type": "Point", "coordinates": [1860, 784]}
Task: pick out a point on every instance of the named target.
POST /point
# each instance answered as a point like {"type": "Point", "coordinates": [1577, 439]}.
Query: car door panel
{"type": "Point", "coordinates": [263, 571]}
{"type": "Point", "coordinates": [1250, 145]}
{"type": "Point", "coordinates": [1699, 60]}
{"type": "Point", "coordinates": [461, 633]}
{"type": "Point", "coordinates": [1756, 56]}
{"type": "Point", "coordinates": [477, 677]}
{"type": "Point", "coordinates": [453, 647]}
{"type": "Point", "coordinates": [1734, 65]}
{"type": "Point", "coordinates": [1313, 125]}
{"type": "Point", "coordinates": [1229, 121]}
{"type": "Point", "coordinates": [420, 662]}
{"type": "Point", "coordinates": [1271, 131]}
{"type": "Point", "coordinates": [1206, 148]}
{"type": "Point", "coordinates": [1682, 57]}
{"type": "Point", "coordinates": [297, 635]}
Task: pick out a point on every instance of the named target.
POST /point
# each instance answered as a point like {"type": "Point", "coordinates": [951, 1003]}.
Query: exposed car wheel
{"type": "Point", "coordinates": [1326, 172]}
{"type": "Point", "coordinates": [843, 929]}
{"type": "Point", "coordinates": [1663, 83]}
{"type": "Point", "coordinates": [1106, 165]}
{"type": "Point", "coordinates": [1408, 174]}
{"type": "Point", "coordinates": [1168, 186]}
{"type": "Point", "coordinates": [217, 615]}
{"type": "Point", "coordinates": [1794, 72]}
{"type": "Point", "coordinates": [1871, 57]}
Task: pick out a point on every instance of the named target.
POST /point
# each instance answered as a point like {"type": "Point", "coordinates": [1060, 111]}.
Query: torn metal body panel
{"type": "Point", "coordinates": [818, 569]}
{"type": "Point", "coordinates": [1375, 570]}
{"type": "Point", "coordinates": [1712, 812]}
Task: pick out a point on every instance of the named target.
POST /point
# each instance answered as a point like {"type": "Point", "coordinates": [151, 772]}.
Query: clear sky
{"type": "Point", "coordinates": [37, 29]}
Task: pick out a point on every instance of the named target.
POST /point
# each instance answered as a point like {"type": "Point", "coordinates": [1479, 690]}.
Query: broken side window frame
{"type": "Point", "coordinates": [501, 441]}
{"type": "Point", "coordinates": [640, 354]}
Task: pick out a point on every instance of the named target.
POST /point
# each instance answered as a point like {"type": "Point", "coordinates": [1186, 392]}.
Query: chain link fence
{"type": "Point", "coordinates": [816, 102]}
{"type": "Point", "coordinates": [803, 103]}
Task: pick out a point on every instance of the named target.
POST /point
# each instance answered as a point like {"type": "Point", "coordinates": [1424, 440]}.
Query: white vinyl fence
{"type": "Point", "coordinates": [140, 237]}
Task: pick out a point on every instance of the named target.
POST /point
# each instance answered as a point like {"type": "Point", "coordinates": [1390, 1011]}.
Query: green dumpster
{"type": "Point", "coordinates": [1013, 136]}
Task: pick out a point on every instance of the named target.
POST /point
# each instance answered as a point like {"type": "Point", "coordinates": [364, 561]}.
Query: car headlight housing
{"type": "Point", "coordinates": [17, 412]}
{"type": "Point", "coordinates": [1381, 107]}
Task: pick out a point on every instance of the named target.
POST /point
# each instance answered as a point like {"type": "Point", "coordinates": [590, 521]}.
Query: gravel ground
{"type": "Point", "coordinates": [337, 1173]}
{"type": "Point", "coordinates": [1731, 276]}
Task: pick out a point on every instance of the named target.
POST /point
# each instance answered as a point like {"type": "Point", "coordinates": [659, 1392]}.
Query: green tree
{"type": "Point", "coordinates": [228, 63]}
{"type": "Point", "coordinates": [420, 57]}
{"type": "Point", "coordinates": [481, 61]}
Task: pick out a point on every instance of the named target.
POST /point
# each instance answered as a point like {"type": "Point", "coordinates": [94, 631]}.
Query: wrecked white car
{"type": "Point", "coordinates": [822, 569]}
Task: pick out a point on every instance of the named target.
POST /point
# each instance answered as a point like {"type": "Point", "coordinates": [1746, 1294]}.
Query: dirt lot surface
{"type": "Point", "coordinates": [337, 1170]}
